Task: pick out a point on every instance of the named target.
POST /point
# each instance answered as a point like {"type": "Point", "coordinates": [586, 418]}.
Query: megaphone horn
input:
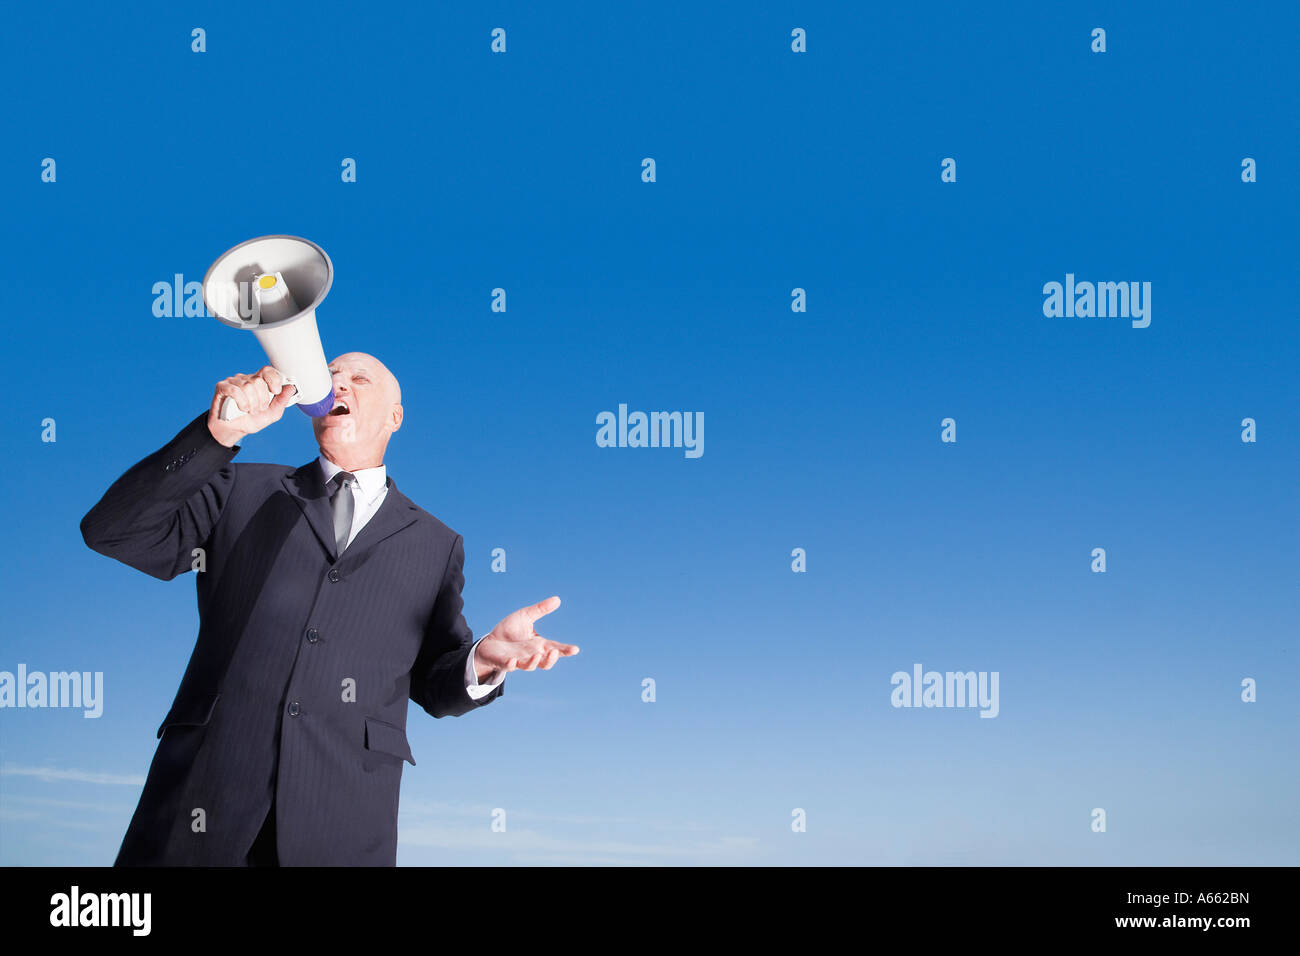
{"type": "Point", "coordinates": [272, 285]}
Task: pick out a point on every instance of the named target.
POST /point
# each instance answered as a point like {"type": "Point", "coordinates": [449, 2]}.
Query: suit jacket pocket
{"type": "Point", "coordinates": [192, 711]}
{"type": "Point", "coordinates": [388, 738]}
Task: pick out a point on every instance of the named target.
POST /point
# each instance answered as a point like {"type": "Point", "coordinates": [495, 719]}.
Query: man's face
{"type": "Point", "coordinates": [367, 410]}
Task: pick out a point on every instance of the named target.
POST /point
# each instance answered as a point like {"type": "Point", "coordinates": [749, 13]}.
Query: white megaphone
{"type": "Point", "coordinates": [272, 285]}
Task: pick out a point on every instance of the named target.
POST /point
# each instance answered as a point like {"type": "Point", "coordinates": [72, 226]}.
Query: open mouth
{"type": "Point", "coordinates": [340, 408]}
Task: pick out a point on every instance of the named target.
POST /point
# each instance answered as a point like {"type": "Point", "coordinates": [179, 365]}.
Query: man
{"type": "Point", "coordinates": [326, 600]}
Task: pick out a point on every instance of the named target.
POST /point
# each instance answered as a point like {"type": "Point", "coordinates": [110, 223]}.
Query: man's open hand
{"type": "Point", "coordinates": [514, 645]}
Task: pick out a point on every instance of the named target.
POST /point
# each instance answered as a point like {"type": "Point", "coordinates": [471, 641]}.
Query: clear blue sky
{"type": "Point", "coordinates": [775, 171]}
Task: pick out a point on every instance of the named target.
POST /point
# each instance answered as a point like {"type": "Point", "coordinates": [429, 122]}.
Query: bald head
{"type": "Point", "coordinates": [368, 365]}
{"type": "Point", "coordinates": [367, 410]}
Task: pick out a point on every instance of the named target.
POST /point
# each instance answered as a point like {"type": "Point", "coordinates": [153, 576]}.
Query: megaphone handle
{"type": "Point", "coordinates": [230, 411]}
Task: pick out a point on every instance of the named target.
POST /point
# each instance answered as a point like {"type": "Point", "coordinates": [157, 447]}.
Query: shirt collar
{"type": "Point", "coordinates": [370, 480]}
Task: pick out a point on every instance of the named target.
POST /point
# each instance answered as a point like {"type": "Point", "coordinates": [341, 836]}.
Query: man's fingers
{"type": "Point", "coordinates": [272, 378]}
{"type": "Point", "coordinates": [562, 650]}
{"type": "Point", "coordinates": [256, 395]}
{"type": "Point", "coordinates": [275, 383]}
{"type": "Point", "coordinates": [543, 658]}
{"type": "Point", "coordinates": [235, 394]}
{"type": "Point", "coordinates": [284, 396]}
{"type": "Point", "coordinates": [541, 609]}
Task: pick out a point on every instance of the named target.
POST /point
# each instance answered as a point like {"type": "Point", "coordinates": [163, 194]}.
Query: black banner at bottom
{"type": "Point", "coordinates": [486, 907]}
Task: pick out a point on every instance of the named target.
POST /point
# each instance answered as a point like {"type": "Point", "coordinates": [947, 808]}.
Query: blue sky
{"type": "Point", "coordinates": [775, 170]}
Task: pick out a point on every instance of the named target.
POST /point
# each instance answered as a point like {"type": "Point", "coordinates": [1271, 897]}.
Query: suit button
{"type": "Point", "coordinates": [334, 574]}
{"type": "Point", "coordinates": [313, 635]}
{"type": "Point", "coordinates": [295, 709]}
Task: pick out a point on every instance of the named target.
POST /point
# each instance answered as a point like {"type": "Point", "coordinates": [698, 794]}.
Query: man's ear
{"type": "Point", "coordinates": [397, 417]}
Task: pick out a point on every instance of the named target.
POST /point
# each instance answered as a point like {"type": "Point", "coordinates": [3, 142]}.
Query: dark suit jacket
{"type": "Point", "coordinates": [298, 684]}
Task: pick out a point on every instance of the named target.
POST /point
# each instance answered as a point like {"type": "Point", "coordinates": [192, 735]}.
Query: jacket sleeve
{"type": "Point", "coordinates": [438, 675]}
{"type": "Point", "coordinates": [166, 505]}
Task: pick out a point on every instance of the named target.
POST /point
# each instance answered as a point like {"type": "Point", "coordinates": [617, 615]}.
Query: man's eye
{"type": "Point", "coordinates": [361, 379]}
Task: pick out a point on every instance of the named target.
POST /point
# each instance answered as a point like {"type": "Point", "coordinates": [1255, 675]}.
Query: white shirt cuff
{"type": "Point", "coordinates": [472, 686]}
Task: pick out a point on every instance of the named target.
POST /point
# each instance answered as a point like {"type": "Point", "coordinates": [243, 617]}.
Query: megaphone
{"type": "Point", "coordinates": [272, 285]}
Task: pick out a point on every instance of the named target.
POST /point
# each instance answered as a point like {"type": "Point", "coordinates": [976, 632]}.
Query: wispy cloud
{"type": "Point", "coordinates": [525, 845]}
{"type": "Point", "coordinates": [10, 815]}
{"type": "Point", "coordinates": [50, 802]}
{"type": "Point", "coordinates": [55, 775]}
{"type": "Point", "coordinates": [545, 839]}
{"type": "Point", "coordinates": [482, 811]}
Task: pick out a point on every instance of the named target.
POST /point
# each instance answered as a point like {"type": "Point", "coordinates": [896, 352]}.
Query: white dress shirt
{"type": "Point", "coordinates": [368, 493]}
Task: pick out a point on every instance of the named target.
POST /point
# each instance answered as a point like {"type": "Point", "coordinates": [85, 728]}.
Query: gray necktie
{"type": "Point", "coordinates": [341, 502]}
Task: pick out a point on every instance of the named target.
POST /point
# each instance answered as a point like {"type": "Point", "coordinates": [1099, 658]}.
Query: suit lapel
{"type": "Point", "coordinates": [395, 513]}
{"type": "Point", "coordinates": [307, 486]}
